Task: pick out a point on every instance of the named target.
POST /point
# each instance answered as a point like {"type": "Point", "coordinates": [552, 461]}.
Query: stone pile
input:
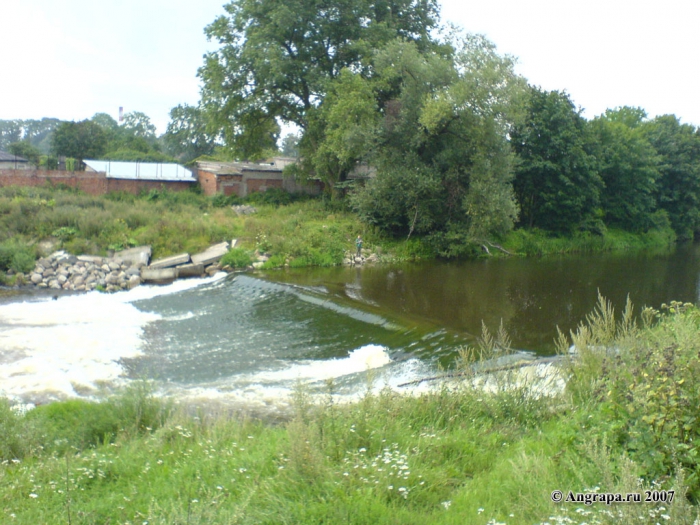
{"type": "Point", "coordinates": [352, 259]}
{"type": "Point", "coordinates": [122, 271]}
{"type": "Point", "coordinates": [63, 271]}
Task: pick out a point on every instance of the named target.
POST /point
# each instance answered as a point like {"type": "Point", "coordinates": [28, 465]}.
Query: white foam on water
{"type": "Point", "coordinates": [270, 393]}
{"type": "Point", "coordinates": [365, 358]}
{"type": "Point", "coordinates": [67, 347]}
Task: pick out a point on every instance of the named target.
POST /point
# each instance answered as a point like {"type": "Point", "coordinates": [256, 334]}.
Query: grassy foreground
{"type": "Point", "coordinates": [627, 422]}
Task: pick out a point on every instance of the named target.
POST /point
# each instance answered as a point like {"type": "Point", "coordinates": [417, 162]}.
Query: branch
{"type": "Point", "coordinates": [413, 224]}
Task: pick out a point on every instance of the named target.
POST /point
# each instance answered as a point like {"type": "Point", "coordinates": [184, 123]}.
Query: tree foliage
{"type": "Point", "coordinates": [443, 164]}
{"type": "Point", "coordinates": [188, 135]}
{"type": "Point", "coordinates": [628, 167]}
{"type": "Point", "coordinates": [80, 140]}
{"type": "Point", "coordinates": [678, 186]}
{"type": "Point", "coordinates": [277, 58]}
{"type": "Point", "coordinates": [556, 181]}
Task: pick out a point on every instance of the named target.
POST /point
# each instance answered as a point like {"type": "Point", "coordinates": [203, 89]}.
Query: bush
{"type": "Point", "coordinates": [237, 258]}
{"type": "Point", "coordinates": [16, 256]}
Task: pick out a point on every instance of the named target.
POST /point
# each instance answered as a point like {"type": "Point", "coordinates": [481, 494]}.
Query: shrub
{"type": "Point", "coordinates": [237, 258]}
{"type": "Point", "coordinates": [16, 256]}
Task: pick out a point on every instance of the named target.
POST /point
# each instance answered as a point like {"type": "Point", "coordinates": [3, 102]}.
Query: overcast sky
{"type": "Point", "coordinates": [70, 59]}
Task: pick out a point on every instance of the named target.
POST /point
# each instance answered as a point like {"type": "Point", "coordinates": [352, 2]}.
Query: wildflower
{"type": "Point", "coordinates": [32, 495]}
{"type": "Point", "coordinates": [479, 510]}
{"type": "Point", "coordinates": [446, 504]}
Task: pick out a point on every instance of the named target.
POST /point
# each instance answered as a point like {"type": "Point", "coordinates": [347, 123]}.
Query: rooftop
{"type": "Point", "coordinates": [141, 170]}
{"type": "Point", "coordinates": [9, 157]}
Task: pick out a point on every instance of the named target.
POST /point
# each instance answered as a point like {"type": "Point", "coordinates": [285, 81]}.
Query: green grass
{"type": "Point", "coordinates": [453, 456]}
{"type": "Point", "coordinates": [538, 243]}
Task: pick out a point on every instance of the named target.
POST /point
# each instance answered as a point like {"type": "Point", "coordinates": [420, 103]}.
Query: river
{"type": "Point", "coordinates": [249, 340]}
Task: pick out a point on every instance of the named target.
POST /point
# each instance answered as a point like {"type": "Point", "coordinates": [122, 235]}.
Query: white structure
{"type": "Point", "coordinates": [140, 170]}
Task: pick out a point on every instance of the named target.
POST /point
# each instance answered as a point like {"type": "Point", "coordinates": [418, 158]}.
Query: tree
{"type": "Point", "coordinates": [138, 124]}
{"type": "Point", "coordinates": [80, 140]}
{"type": "Point", "coordinates": [678, 185]}
{"type": "Point", "coordinates": [25, 150]}
{"type": "Point", "coordinates": [277, 58]}
{"type": "Point", "coordinates": [556, 181]}
{"type": "Point", "coordinates": [290, 145]}
{"type": "Point", "coordinates": [187, 136]}
{"type": "Point", "coordinates": [628, 167]}
{"type": "Point", "coordinates": [443, 163]}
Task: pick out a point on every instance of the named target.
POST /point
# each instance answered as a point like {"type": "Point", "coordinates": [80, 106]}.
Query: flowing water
{"type": "Point", "coordinates": [249, 339]}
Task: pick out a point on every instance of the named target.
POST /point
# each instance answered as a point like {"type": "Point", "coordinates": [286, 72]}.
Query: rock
{"type": "Point", "coordinates": [170, 262]}
{"type": "Point", "coordinates": [78, 281]}
{"type": "Point", "coordinates": [112, 278]}
{"type": "Point", "coordinates": [36, 278]}
{"type": "Point", "coordinates": [61, 279]}
{"type": "Point", "coordinates": [132, 271]}
{"type": "Point", "coordinates": [243, 209]}
{"type": "Point", "coordinates": [258, 264]}
{"type": "Point", "coordinates": [105, 268]}
{"type": "Point", "coordinates": [42, 285]}
{"type": "Point", "coordinates": [54, 285]}
{"type": "Point", "coordinates": [113, 266]}
{"type": "Point", "coordinates": [213, 269]}
{"type": "Point", "coordinates": [134, 281]}
{"type": "Point", "coordinates": [48, 273]}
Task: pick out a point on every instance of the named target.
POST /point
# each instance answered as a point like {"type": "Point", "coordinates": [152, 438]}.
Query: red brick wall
{"type": "Point", "coordinates": [93, 183]}
{"type": "Point", "coordinates": [263, 184]}
{"type": "Point", "coordinates": [89, 182]}
{"type": "Point", "coordinates": [207, 181]}
{"type": "Point", "coordinates": [137, 186]}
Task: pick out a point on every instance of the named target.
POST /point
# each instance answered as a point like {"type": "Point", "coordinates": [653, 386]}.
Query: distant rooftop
{"type": "Point", "coordinates": [141, 170]}
{"type": "Point", "coordinates": [9, 157]}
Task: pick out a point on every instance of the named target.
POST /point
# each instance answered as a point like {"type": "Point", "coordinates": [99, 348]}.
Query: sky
{"type": "Point", "coordinates": [70, 59]}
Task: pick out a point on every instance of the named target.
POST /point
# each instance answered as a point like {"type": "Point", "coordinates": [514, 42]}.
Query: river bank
{"type": "Point", "coordinates": [446, 457]}
{"type": "Point", "coordinates": [38, 221]}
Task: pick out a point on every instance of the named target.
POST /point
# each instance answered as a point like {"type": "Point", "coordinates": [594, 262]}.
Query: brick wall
{"type": "Point", "coordinates": [207, 181]}
{"type": "Point", "coordinates": [92, 183]}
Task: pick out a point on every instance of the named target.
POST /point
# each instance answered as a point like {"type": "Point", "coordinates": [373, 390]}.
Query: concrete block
{"type": "Point", "coordinates": [190, 270]}
{"type": "Point", "coordinates": [93, 259]}
{"type": "Point", "coordinates": [171, 262]}
{"type": "Point", "coordinates": [211, 254]}
{"type": "Point", "coordinates": [138, 256]}
{"type": "Point", "coordinates": [159, 274]}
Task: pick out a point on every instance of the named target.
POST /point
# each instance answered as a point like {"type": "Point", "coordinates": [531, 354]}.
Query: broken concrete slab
{"type": "Point", "coordinates": [211, 254]}
{"type": "Point", "coordinates": [94, 259]}
{"type": "Point", "coordinates": [190, 270]}
{"type": "Point", "coordinates": [171, 262]}
{"type": "Point", "coordinates": [138, 256]}
{"type": "Point", "coordinates": [159, 274]}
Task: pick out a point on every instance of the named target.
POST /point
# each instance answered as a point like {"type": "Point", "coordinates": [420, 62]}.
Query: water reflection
{"type": "Point", "coordinates": [531, 296]}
